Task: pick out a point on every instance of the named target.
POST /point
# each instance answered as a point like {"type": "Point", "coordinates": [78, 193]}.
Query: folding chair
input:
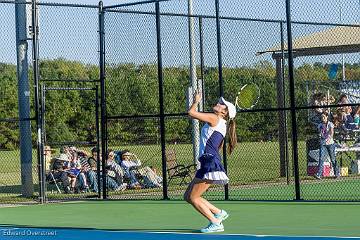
{"type": "Point", "coordinates": [178, 171]}
{"type": "Point", "coordinates": [51, 180]}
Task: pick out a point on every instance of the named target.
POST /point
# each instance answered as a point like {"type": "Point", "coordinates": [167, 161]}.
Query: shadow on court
{"type": "Point", "coordinates": [164, 230]}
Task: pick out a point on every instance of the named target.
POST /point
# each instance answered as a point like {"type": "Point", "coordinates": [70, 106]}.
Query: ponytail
{"type": "Point", "coordinates": [232, 136]}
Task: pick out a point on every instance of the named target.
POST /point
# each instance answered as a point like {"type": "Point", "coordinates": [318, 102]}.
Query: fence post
{"type": "Point", "coordinates": [27, 186]}
{"type": "Point", "coordinates": [97, 140]}
{"type": "Point", "coordinates": [161, 100]}
{"type": "Point", "coordinates": [292, 102]}
{"type": "Point", "coordinates": [221, 82]}
{"type": "Point", "coordinates": [103, 122]}
{"type": "Point", "coordinates": [38, 116]}
{"type": "Point", "coordinates": [193, 84]}
{"type": "Point", "coordinates": [280, 86]}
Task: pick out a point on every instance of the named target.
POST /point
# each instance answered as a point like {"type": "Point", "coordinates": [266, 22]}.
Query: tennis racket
{"type": "Point", "coordinates": [248, 96]}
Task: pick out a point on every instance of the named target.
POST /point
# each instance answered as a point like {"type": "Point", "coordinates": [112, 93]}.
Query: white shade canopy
{"type": "Point", "coordinates": [335, 40]}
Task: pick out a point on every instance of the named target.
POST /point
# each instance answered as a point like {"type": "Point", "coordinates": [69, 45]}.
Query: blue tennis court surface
{"type": "Point", "coordinates": [86, 234]}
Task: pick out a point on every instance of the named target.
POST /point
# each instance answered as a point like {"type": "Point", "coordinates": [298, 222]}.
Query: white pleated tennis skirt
{"type": "Point", "coordinates": [218, 177]}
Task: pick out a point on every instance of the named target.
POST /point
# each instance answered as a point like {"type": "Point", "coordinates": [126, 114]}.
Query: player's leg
{"type": "Point", "coordinates": [197, 189]}
{"type": "Point", "coordinates": [218, 213]}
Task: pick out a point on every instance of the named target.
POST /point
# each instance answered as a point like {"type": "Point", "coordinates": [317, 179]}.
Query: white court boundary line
{"type": "Point", "coordinates": [38, 204]}
{"type": "Point", "coordinates": [255, 235]}
{"type": "Point", "coordinates": [11, 206]}
{"type": "Point", "coordinates": [240, 234]}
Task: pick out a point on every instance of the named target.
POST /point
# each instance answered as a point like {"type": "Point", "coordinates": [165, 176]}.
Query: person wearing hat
{"type": "Point", "coordinates": [129, 164]}
{"type": "Point", "coordinates": [211, 169]}
{"type": "Point", "coordinates": [134, 171]}
{"type": "Point", "coordinates": [59, 173]}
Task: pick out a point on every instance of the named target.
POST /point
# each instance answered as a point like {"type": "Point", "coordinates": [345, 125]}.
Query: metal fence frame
{"type": "Point", "coordinates": [281, 105]}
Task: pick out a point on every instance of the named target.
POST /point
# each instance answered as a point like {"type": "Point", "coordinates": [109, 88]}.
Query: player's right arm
{"type": "Point", "coordinates": [210, 118]}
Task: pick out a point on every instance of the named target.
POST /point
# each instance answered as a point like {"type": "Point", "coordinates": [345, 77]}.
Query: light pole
{"type": "Point", "coordinates": [22, 12]}
{"type": "Point", "coordinates": [193, 83]}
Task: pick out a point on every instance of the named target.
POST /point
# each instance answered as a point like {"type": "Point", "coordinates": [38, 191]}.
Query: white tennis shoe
{"type": "Point", "coordinates": [222, 215]}
{"type": "Point", "coordinates": [213, 227]}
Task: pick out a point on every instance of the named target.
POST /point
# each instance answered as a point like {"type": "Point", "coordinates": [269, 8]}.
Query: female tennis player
{"type": "Point", "coordinates": [211, 170]}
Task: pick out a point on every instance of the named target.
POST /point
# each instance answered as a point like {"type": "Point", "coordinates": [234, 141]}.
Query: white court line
{"type": "Point", "coordinates": [255, 235]}
{"type": "Point", "coordinates": [38, 204]}
{"type": "Point", "coordinates": [11, 206]}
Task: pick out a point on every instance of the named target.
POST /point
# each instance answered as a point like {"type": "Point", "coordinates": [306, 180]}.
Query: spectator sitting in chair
{"type": "Point", "coordinates": [115, 168]}
{"type": "Point", "coordinates": [85, 170]}
{"type": "Point", "coordinates": [338, 117]}
{"type": "Point", "coordinates": [73, 167]}
{"type": "Point", "coordinates": [343, 99]}
{"type": "Point", "coordinates": [59, 173]}
{"type": "Point", "coordinates": [92, 174]}
{"type": "Point", "coordinates": [130, 166]}
{"type": "Point", "coordinates": [348, 120]}
{"type": "Point", "coordinates": [129, 161]}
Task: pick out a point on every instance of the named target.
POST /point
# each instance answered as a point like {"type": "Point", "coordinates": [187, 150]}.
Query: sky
{"type": "Point", "coordinates": [92, 2]}
{"type": "Point", "coordinates": [71, 33]}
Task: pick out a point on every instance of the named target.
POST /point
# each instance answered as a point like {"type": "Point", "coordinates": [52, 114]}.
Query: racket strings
{"type": "Point", "coordinates": [248, 96]}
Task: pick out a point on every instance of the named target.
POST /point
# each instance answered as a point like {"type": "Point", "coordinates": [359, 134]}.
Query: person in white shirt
{"type": "Point", "coordinates": [128, 165]}
{"type": "Point", "coordinates": [326, 129]}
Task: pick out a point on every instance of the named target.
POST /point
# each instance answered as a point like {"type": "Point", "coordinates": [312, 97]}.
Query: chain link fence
{"type": "Point", "coordinates": [18, 171]}
{"type": "Point", "coordinates": [69, 74]}
{"type": "Point", "coordinates": [253, 49]}
{"type": "Point", "coordinates": [334, 67]}
{"type": "Point", "coordinates": [254, 176]}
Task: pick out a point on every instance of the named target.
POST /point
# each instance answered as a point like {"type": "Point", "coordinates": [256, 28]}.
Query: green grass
{"type": "Point", "coordinates": [250, 162]}
{"type": "Point", "coordinates": [327, 189]}
{"type": "Point", "coordinates": [261, 218]}
{"type": "Point", "coordinates": [253, 170]}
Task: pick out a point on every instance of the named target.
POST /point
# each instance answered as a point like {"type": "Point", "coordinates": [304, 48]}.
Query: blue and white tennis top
{"type": "Point", "coordinates": [210, 159]}
{"type": "Point", "coordinates": [211, 138]}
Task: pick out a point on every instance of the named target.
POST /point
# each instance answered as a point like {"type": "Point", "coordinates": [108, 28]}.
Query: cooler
{"type": "Point", "coordinates": [312, 169]}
